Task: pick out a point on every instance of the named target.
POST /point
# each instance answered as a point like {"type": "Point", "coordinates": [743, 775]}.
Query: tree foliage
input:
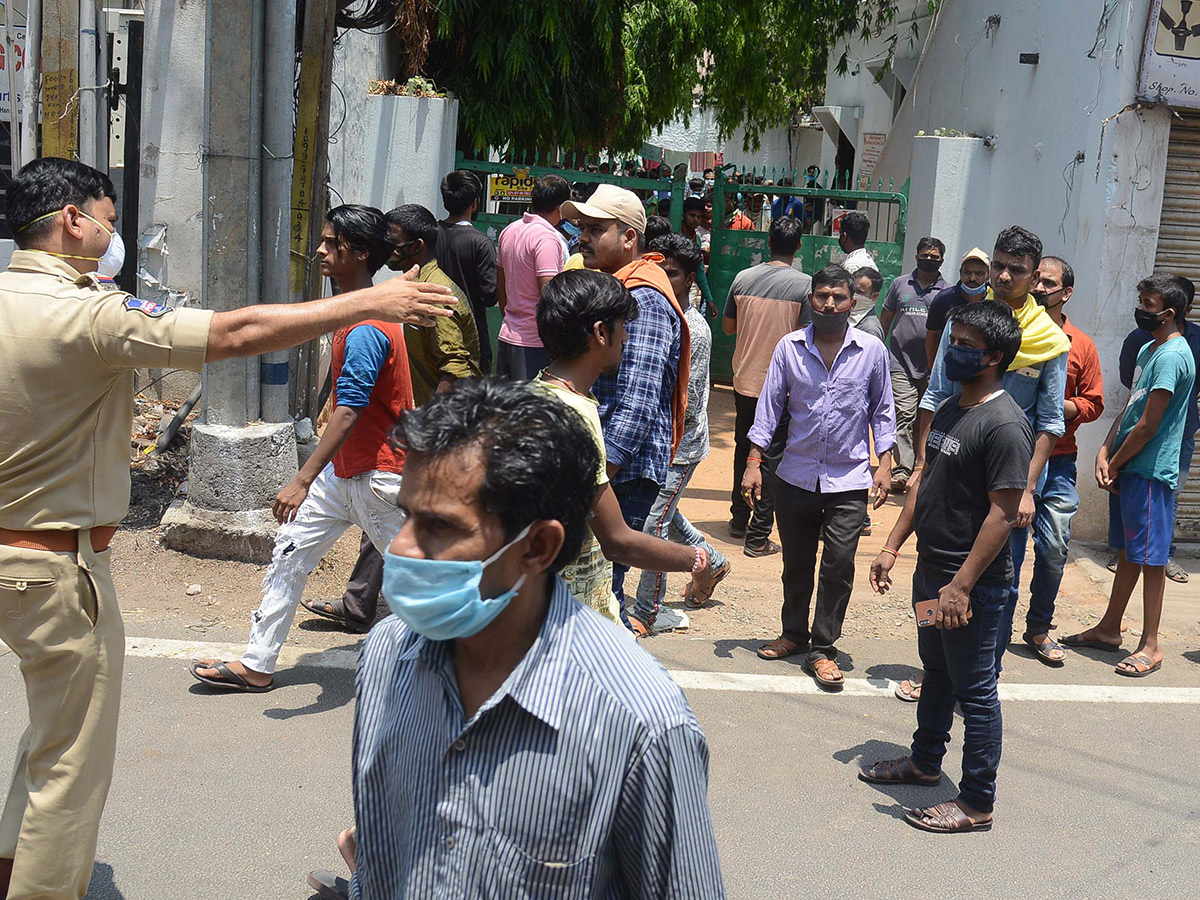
{"type": "Point", "coordinates": [610, 73]}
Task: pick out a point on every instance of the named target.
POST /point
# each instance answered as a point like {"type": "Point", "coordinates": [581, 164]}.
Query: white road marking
{"type": "Point", "coordinates": [738, 682]}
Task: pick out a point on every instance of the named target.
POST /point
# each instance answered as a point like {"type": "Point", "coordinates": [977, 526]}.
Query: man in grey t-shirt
{"type": "Point", "coordinates": [765, 303]}
{"type": "Point", "coordinates": [904, 312]}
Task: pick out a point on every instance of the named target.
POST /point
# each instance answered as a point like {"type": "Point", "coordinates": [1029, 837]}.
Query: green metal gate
{"type": "Point", "coordinates": [491, 223]}
{"type": "Point", "coordinates": [733, 250]}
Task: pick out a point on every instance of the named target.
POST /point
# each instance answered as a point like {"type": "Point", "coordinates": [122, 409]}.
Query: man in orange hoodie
{"type": "Point", "coordinates": [642, 407]}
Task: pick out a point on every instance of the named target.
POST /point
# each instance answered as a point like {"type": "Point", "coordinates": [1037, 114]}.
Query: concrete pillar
{"type": "Point", "coordinates": [236, 468]}
{"type": "Point", "coordinates": [948, 197]}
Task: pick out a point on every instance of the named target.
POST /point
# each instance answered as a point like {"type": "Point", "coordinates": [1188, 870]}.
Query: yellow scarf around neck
{"type": "Point", "coordinates": [1041, 339]}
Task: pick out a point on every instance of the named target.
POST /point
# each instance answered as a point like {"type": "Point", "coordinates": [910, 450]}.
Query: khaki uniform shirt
{"type": "Point", "coordinates": [68, 348]}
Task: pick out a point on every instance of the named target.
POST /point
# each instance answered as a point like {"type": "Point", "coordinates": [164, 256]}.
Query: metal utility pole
{"type": "Point", "coordinates": [32, 82]}
{"type": "Point", "coordinates": [310, 165]}
{"type": "Point", "coordinates": [279, 79]}
{"type": "Point", "coordinates": [232, 197]}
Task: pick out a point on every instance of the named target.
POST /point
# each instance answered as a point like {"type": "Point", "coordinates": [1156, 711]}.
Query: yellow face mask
{"type": "Point", "coordinates": [58, 212]}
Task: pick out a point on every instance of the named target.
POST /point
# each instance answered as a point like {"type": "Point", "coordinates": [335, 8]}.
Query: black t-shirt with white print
{"type": "Point", "coordinates": [970, 452]}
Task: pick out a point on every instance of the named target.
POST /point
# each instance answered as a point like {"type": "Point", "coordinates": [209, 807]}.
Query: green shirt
{"type": "Point", "coordinates": [451, 347]}
{"type": "Point", "coordinates": [1169, 367]}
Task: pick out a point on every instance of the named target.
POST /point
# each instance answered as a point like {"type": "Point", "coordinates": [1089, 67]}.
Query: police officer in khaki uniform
{"type": "Point", "coordinates": [68, 347]}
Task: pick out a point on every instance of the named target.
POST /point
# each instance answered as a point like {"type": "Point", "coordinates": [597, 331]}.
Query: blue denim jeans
{"type": "Point", "coordinates": [960, 664]}
{"type": "Point", "coordinates": [665, 521]}
{"type": "Point", "coordinates": [1056, 505]}
{"type": "Point", "coordinates": [636, 499]}
{"type": "Point", "coordinates": [1185, 464]}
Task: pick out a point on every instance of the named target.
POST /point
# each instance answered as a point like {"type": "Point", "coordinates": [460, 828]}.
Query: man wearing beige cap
{"type": "Point", "coordinates": [972, 285]}
{"type": "Point", "coordinates": [642, 406]}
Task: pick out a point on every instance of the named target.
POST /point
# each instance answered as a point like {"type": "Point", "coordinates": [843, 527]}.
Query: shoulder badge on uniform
{"type": "Point", "coordinates": [146, 307]}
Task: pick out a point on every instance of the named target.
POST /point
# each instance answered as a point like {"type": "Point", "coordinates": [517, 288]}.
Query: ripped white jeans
{"type": "Point", "coordinates": [333, 504]}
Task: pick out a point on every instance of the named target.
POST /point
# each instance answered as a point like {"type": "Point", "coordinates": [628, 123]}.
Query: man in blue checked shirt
{"type": "Point", "coordinates": [510, 742]}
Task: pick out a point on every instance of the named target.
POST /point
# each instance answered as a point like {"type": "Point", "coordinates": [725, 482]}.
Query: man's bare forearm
{"type": "Point", "coordinates": [1043, 445]}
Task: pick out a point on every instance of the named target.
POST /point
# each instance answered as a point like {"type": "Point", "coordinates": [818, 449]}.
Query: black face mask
{"type": "Point", "coordinates": [1042, 298]}
{"type": "Point", "coordinates": [829, 323]}
{"type": "Point", "coordinates": [1147, 321]}
{"type": "Point", "coordinates": [929, 265]}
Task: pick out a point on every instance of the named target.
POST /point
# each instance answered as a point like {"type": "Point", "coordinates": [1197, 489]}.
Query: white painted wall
{"type": "Point", "coordinates": [1101, 214]}
{"type": "Point", "coordinates": [700, 135]}
{"type": "Point", "coordinates": [388, 150]}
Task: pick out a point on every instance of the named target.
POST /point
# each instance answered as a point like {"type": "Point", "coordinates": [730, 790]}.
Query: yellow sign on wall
{"type": "Point", "coordinates": [511, 188]}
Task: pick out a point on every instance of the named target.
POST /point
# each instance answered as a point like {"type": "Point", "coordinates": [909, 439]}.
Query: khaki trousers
{"type": "Point", "coordinates": [59, 615]}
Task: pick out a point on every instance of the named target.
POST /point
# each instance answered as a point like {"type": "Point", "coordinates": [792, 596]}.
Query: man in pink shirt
{"type": "Point", "coordinates": [530, 253]}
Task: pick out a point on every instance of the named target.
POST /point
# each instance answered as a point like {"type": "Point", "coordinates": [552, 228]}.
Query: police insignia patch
{"type": "Point", "coordinates": [146, 307]}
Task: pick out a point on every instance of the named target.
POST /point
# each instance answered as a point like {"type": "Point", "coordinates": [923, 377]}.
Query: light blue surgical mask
{"type": "Point", "coordinates": [439, 598]}
{"type": "Point", "coordinates": [972, 292]}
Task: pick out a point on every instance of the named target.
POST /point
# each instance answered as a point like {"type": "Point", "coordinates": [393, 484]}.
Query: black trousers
{"type": "Point", "coordinates": [759, 521]}
{"type": "Point", "coordinates": [361, 600]}
{"type": "Point", "coordinates": [803, 515]}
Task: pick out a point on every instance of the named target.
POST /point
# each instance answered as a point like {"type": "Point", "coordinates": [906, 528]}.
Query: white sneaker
{"type": "Point", "coordinates": [669, 619]}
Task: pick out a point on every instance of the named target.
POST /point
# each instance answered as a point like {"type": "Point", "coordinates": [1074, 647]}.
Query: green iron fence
{"type": "Point", "coordinates": [733, 250]}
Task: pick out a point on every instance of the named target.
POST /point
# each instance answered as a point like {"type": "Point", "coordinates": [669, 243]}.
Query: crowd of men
{"type": "Point", "coordinates": [500, 516]}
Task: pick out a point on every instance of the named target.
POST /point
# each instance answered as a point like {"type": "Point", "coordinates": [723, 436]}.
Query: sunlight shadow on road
{"type": "Point", "coordinates": [103, 886]}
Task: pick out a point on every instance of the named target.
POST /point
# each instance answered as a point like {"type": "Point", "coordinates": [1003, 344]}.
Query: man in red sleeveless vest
{"type": "Point", "coordinates": [353, 477]}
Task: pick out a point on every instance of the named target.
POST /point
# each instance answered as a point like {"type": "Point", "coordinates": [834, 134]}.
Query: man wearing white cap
{"type": "Point", "coordinates": [642, 406]}
{"type": "Point", "coordinates": [972, 285]}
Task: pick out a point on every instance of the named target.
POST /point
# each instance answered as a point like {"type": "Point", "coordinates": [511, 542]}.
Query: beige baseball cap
{"type": "Point", "coordinates": [609, 202]}
{"type": "Point", "coordinates": [976, 253]}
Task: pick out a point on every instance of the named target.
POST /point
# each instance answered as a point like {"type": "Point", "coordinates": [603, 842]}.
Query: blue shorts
{"type": "Point", "coordinates": [1141, 520]}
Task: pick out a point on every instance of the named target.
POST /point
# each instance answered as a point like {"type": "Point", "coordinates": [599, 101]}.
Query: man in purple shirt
{"type": "Point", "coordinates": [833, 380]}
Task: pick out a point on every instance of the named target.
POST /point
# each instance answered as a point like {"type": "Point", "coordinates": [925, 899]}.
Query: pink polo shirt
{"type": "Point", "coordinates": [528, 248]}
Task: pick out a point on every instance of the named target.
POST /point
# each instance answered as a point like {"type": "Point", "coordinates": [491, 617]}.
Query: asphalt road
{"type": "Point", "coordinates": [220, 796]}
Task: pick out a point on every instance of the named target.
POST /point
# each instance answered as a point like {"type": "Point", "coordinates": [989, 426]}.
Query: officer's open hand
{"type": "Point", "coordinates": [411, 302]}
{"type": "Point", "coordinates": [288, 500]}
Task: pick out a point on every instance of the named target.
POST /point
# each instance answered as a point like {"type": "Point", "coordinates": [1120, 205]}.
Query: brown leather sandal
{"type": "Point", "coordinates": [701, 598]}
{"type": "Point", "coordinates": [944, 818]}
{"type": "Point", "coordinates": [897, 771]}
{"type": "Point", "coordinates": [778, 649]}
{"type": "Point", "coordinates": [827, 673]}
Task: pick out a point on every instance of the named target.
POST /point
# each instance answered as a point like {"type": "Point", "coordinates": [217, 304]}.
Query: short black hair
{"type": "Point", "coordinates": [931, 243]}
{"type": "Point", "coordinates": [696, 183]}
{"type": "Point", "coordinates": [996, 322]}
{"type": "Point", "coordinates": [873, 274]}
{"type": "Point", "coordinates": [1189, 288]}
{"type": "Point", "coordinates": [459, 190]}
{"type": "Point", "coordinates": [363, 228]}
{"type": "Point", "coordinates": [706, 171]}
{"type": "Point", "coordinates": [786, 232]}
{"type": "Point", "coordinates": [681, 249]}
{"type": "Point", "coordinates": [656, 227]}
{"type": "Point", "coordinates": [832, 276]}
{"type": "Point", "coordinates": [1017, 241]}
{"type": "Point", "coordinates": [45, 186]}
{"type": "Point", "coordinates": [416, 222]}
{"type": "Point", "coordinates": [856, 226]}
{"type": "Point", "coordinates": [1068, 274]}
{"type": "Point", "coordinates": [691, 204]}
{"type": "Point", "coordinates": [1174, 295]}
{"type": "Point", "coordinates": [664, 207]}
{"type": "Point", "coordinates": [540, 461]}
{"type": "Point", "coordinates": [572, 302]}
{"type": "Point", "coordinates": [549, 193]}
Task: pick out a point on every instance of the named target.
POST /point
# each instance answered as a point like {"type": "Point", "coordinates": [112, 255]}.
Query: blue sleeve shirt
{"type": "Point", "coordinates": [367, 350]}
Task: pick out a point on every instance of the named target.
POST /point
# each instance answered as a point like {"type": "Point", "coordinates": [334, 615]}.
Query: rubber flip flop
{"type": "Point", "coordinates": [229, 680]}
{"type": "Point", "coordinates": [328, 886]}
{"type": "Point", "coordinates": [909, 695]}
{"type": "Point", "coordinates": [316, 607]}
{"type": "Point", "coordinates": [1079, 642]}
{"type": "Point", "coordinates": [1043, 649]}
{"type": "Point", "coordinates": [1138, 673]}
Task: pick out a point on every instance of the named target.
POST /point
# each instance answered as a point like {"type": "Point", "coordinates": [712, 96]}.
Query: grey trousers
{"type": "Point", "coordinates": [907, 393]}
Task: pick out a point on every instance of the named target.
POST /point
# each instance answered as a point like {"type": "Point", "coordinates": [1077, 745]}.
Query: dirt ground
{"type": "Point", "coordinates": [152, 581]}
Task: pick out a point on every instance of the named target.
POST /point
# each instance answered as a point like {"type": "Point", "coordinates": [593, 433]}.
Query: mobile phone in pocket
{"type": "Point", "coordinates": [926, 611]}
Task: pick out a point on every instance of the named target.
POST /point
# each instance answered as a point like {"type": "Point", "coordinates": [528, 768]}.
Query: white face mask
{"type": "Point", "coordinates": [113, 259]}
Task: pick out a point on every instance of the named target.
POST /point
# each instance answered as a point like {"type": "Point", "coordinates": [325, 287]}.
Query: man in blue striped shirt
{"type": "Point", "coordinates": [510, 742]}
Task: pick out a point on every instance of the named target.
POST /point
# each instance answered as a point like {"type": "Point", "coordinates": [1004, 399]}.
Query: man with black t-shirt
{"type": "Point", "coordinates": [963, 509]}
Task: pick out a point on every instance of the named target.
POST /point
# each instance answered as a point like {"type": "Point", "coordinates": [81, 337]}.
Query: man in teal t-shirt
{"type": "Point", "coordinates": [1138, 465]}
